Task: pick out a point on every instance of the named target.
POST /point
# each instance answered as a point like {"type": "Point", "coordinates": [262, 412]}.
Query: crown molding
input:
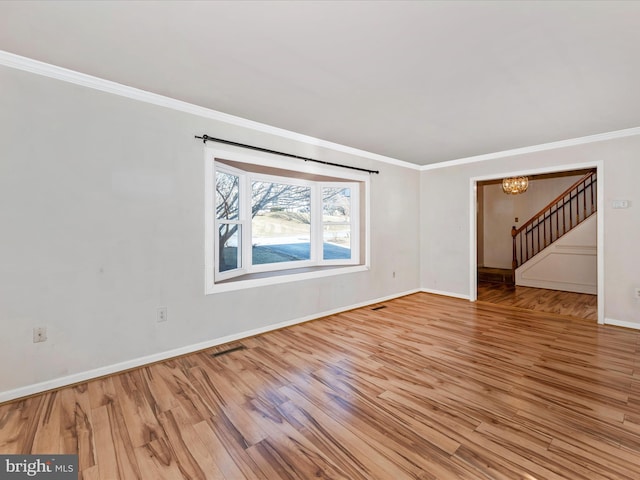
{"type": "Point", "coordinates": [71, 76]}
{"type": "Point", "coordinates": [600, 137]}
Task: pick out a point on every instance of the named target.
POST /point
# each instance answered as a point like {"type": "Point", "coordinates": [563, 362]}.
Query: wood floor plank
{"type": "Point", "coordinates": [156, 461]}
{"type": "Point", "coordinates": [183, 445]}
{"type": "Point", "coordinates": [90, 473]}
{"type": "Point", "coordinates": [47, 436]}
{"type": "Point", "coordinates": [76, 426]}
{"type": "Point", "coordinates": [107, 459]}
{"type": "Point", "coordinates": [427, 387]}
{"type": "Point", "coordinates": [300, 443]}
{"type": "Point", "coordinates": [231, 462]}
{"type": "Point", "coordinates": [580, 305]}
{"type": "Point", "coordinates": [512, 458]}
{"type": "Point", "coordinates": [142, 421]}
{"type": "Point", "coordinates": [281, 456]}
{"type": "Point", "coordinates": [380, 466]}
{"type": "Point", "coordinates": [595, 463]}
{"type": "Point", "coordinates": [355, 467]}
{"type": "Point", "coordinates": [16, 425]}
{"type": "Point", "coordinates": [115, 454]}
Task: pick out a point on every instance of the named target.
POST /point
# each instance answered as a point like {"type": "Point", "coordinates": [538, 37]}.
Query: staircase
{"type": "Point", "coordinates": [560, 216]}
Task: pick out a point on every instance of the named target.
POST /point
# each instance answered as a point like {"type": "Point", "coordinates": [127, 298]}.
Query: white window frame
{"type": "Point", "coordinates": [354, 224]}
{"type": "Point", "coordinates": [242, 222]}
{"type": "Point", "coordinates": [316, 266]}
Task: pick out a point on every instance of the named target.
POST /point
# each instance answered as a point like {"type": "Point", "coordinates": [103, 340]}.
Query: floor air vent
{"type": "Point", "coordinates": [228, 349]}
{"type": "Point", "coordinates": [379, 308]}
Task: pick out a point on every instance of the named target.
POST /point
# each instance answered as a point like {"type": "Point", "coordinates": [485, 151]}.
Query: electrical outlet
{"type": "Point", "coordinates": [39, 334]}
{"type": "Point", "coordinates": [162, 314]}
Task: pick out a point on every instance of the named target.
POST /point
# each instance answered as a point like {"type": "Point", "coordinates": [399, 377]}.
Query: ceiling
{"type": "Point", "coordinates": [422, 82]}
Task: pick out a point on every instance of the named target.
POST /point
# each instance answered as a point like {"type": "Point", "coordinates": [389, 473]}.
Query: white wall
{"type": "Point", "coordinates": [445, 218]}
{"type": "Point", "coordinates": [501, 210]}
{"type": "Point", "coordinates": [102, 218]}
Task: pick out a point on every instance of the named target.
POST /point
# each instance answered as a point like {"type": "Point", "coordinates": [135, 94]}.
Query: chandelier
{"type": "Point", "coordinates": [515, 185]}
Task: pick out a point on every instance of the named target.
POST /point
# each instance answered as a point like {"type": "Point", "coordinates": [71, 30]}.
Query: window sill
{"type": "Point", "coordinates": [282, 276]}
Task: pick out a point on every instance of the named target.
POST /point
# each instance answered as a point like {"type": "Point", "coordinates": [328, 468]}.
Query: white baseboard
{"type": "Point", "coordinates": [621, 323]}
{"type": "Point", "coordinates": [446, 294]}
{"type": "Point", "coordinates": [157, 357]}
{"type": "Point", "coordinates": [562, 286]}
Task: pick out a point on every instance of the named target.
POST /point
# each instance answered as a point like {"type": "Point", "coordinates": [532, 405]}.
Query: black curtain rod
{"type": "Point", "coordinates": [207, 138]}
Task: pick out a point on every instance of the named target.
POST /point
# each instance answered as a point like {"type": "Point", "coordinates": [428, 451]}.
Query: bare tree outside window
{"type": "Point", "coordinates": [283, 204]}
{"type": "Point", "coordinates": [228, 215]}
{"type": "Point", "coordinates": [281, 222]}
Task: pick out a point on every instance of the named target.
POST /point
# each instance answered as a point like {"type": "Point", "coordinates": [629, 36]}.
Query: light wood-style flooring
{"type": "Point", "coordinates": [427, 387]}
{"type": "Point", "coordinates": [580, 305]}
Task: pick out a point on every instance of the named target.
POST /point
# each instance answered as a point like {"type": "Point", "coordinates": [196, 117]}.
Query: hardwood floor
{"type": "Point", "coordinates": [580, 305]}
{"type": "Point", "coordinates": [427, 387]}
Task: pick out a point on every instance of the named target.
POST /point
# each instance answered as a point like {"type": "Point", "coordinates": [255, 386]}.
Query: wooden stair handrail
{"type": "Point", "coordinates": [515, 231]}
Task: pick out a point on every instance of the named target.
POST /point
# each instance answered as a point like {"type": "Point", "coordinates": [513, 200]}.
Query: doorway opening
{"type": "Point", "coordinates": [566, 275]}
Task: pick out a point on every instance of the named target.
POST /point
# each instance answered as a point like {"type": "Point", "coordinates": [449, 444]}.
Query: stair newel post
{"type": "Point", "coordinates": [514, 262]}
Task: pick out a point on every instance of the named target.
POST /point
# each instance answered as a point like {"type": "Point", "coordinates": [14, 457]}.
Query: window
{"type": "Point", "coordinates": [336, 222]}
{"type": "Point", "coordinates": [228, 220]}
{"type": "Point", "coordinates": [281, 221]}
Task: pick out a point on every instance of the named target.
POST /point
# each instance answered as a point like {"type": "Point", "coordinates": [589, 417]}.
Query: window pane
{"type": "Point", "coordinates": [336, 223]}
{"type": "Point", "coordinates": [229, 256]}
{"type": "Point", "coordinates": [336, 205]}
{"type": "Point", "coordinates": [281, 223]}
{"type": "Point", "coordinates": [227, 196]}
